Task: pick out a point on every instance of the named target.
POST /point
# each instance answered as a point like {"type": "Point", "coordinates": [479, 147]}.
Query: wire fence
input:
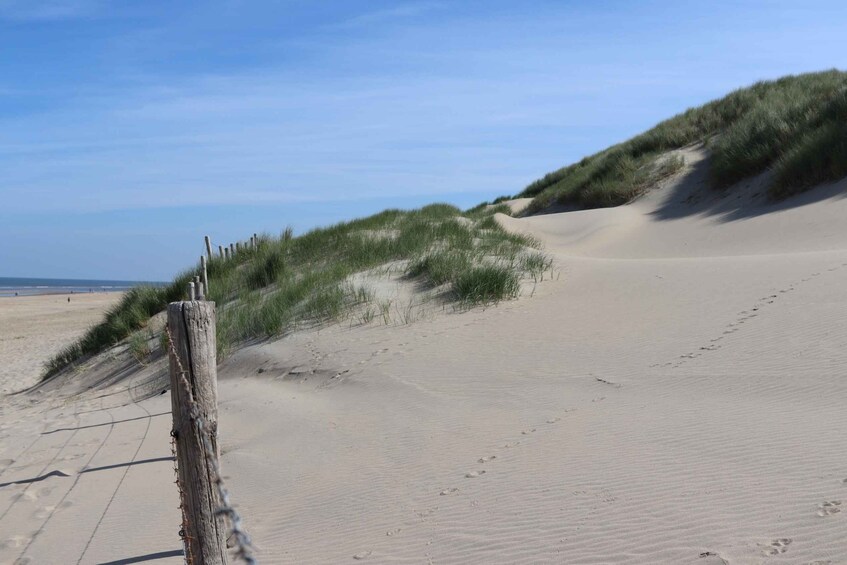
{"type": "Point", "coordinates": [237, 534]}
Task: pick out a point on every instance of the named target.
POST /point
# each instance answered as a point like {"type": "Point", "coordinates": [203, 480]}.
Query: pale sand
{"type": "Point", "coordinates": [675, 395]}
{"type": "Point", "coordinates": [34, 328]}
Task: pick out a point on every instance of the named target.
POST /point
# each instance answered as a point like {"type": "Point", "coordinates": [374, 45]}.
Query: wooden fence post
{"type": "Point", "coordinates": [205, 273]}
{"type": "Point", "coordinates": [232, 250]}
{"type": "Point", "coordinates": [221, 251]}
{"type": "Point", "coordinates": [191, 290]}
{"type": "Point", "coordinates": [192, 329]}
{"type": "Point", "coordinates": [208, 247]}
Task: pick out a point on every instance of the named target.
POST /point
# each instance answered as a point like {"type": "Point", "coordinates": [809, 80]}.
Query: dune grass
{"type": "Point", "coordinates": [129, 315]}
{"type": "Point", "coordinates": [796, 126]}
{"type": "Point", "coordinates": [289, 282]}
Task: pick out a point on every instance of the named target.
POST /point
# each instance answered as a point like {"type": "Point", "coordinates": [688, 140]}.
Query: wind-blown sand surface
{"type": "Point", "coordinates": [675, 395]}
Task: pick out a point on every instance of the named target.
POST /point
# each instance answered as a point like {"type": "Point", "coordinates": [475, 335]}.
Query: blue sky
{"type": "Point", "coordinates": [128, 130]}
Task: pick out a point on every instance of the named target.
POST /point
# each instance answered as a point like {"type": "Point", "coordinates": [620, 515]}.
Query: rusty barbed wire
{"type": "Point", "coordinates": [243, 544]}
{"type": "Point", "coordinates": [183, 529]}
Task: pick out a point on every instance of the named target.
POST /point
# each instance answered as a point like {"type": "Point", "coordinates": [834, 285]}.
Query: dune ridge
{"type": "Point", "coordinates": [674, 394]}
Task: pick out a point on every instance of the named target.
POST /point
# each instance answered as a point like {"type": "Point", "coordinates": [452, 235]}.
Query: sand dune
{"type": "Point", "coordinates": [674, 395]}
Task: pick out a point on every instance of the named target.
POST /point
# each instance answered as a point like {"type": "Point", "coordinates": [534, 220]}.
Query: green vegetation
{"type": "Point", "coordinates": [796, 126]}
{"type": "Point", "coordinates": [129, 315]}
{"type": "Point", "coordinates": [139, 345]}
{"type": "Point", "coordinates": [486, 282]}
{"type": "Point", "coordinates": [289, 282]}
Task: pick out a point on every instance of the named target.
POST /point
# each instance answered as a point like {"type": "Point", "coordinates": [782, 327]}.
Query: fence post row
{"type": "Point", "coordinates": [228, 251]}
{"type": "Point", "coordinates": [194, 402]}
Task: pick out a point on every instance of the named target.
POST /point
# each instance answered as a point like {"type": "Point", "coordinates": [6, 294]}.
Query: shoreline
{"type": "Point", "coordinates": [22, 293]}
{"type": "Point", "coordinates": [10, 287]}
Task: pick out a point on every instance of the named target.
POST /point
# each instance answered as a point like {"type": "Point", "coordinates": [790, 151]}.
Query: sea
{"type": "Point", "coordinates": [10, 286]}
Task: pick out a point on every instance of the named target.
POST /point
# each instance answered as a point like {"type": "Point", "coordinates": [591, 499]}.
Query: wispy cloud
{"type": "Point", "coordinates": [43, 10]}
{"type": "Point", "coordinates": [471, 116]}
{"type": "Point", "coordinates": [258, 114]}
{"type": "Point", "coordinates": [387, 15]}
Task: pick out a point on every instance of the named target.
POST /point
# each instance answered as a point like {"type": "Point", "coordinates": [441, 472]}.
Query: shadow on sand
{"type": "Point", "coordinates": [692, 195]}
{"type": "Point", "coordinates": [143, 558]}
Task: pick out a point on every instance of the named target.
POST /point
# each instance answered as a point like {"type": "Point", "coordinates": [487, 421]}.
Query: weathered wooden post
{"type": "Point", "coordinates": [238, 247]}
{"type": "Point", "coordinates": [194, 403]}
{"type": "Point", "coordinates": [191, 291]}
{"type": "Point", "coordinates": [205, 274]}
{"type": "Point", "coordinates": [208, 247]}
{"type": "Point", "coordinates": [256, 240]}
{"type": "Point", "coordinates": [232, 250]}
{"type": "Point", "coordinates": [226, 253]}
{"type": "Point", "coordinates": [221, 251]}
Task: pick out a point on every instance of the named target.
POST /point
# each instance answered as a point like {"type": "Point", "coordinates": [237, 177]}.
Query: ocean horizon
{"type": "Point", "coordinates": [23, 286]}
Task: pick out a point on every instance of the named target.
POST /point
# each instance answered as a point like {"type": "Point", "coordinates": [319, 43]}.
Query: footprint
{"type": "Point", "coordinates": [829, 508]}
{"type": "Point", "coordinates": [486, 459]}
{"type": "Point", "coordinates": [14, 542]}
{"type": "Point", "coordinates": [44, 512]}
{"type": "Point", "coordinates": [527, 432]}
{"type": "Point", "coordinates": [363, 555]}
{"type": "Point", "coordinates": [27, 495]}
{"type": "Point", "coordinates": [474, 474]}
{"type": "Point", "coordinates": [394, 532]}
{"type": "Point", "coordinates": [447, 491]}
{"type": "Point", "coordinates": [712, 557]}
{"type": "Point", "coordinates": [517, 443]}
{"type": "Point", "coordinates": [777, 546]}
{"type": "Point", "coordinates": [554, 420]}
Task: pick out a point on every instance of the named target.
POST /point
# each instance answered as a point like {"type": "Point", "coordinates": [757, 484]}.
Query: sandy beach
{"type": "Point", "coordinates": [34, 328]}
{"type": "Point", "coordinates": [675, 394]}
